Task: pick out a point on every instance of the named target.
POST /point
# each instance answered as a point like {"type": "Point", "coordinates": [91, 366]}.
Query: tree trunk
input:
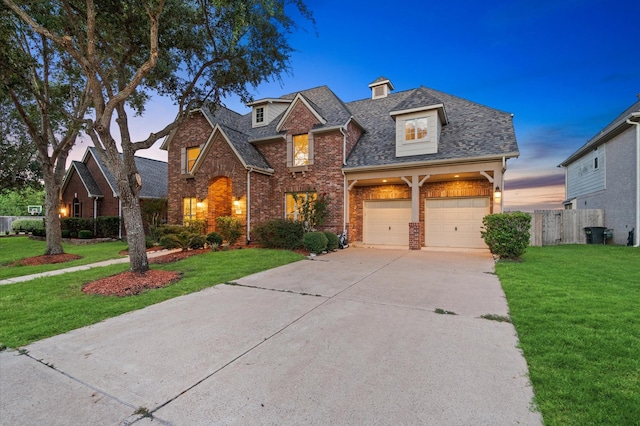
{"type": "Point", "coordinates": [52, 221]}
{"type": "Point", "coordinates": [132, 216]}
{"type": "Point", "coordinates": [52, 183]}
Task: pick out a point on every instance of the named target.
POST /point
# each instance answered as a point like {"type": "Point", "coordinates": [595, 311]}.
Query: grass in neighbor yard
{"type": "Point", "coordinates": [577, 312]}
{"type": "Point", "coordinates": [45, 307]}
{"type": "Point", "coordinates": [16, 248]}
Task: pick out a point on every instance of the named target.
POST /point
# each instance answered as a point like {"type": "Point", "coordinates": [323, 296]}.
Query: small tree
{"type": "Point", "coordinates": [507, 234]}
{"type": "Point", "coordinates": [313, 211]}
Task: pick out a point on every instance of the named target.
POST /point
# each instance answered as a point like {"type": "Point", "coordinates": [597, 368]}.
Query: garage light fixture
{"type": "Point", "coordinates": [497, 194]}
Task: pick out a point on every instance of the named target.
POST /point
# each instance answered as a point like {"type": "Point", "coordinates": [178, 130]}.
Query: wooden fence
{"type": "Point", "coordinates": [552, 227]}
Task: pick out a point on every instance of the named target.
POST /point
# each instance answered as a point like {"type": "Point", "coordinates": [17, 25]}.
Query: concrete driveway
{"type": "Point", "coordinates": [351, 337]}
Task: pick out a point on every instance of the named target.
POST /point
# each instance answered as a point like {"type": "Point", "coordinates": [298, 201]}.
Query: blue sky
{"type": "Point", "coordinates": [565, 68]}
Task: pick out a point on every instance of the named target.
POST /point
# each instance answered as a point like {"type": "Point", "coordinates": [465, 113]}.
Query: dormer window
{"type": "Point", "coordinates": [416, 129]}
{"type": "Point", "coordinates": [259, 115]}
{"type": "Point", "coordinates": [265, 110]}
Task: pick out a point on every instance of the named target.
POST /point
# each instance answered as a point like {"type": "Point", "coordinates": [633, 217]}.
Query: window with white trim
{"type": "Point", "coordinates": [259, 115]}
{"type": "Point", "coordinates": [415, 129]}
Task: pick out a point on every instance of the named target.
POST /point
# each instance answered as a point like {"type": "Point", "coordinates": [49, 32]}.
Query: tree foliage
{"type": "Point", "coordinates": [14, 202]}
{"type": "Point", "coordinates": [191, 51]}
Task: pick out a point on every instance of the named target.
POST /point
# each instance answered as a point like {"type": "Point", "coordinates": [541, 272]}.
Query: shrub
{"type": "Point", "coordinates": [66, 233]}
{"type": "Point", "coordinates": [169, 241]}
{"type": "Point", "coordinates": [230, 228]}
{"type": "Point", "coordinates": [85, 234]}
{"type": "Point", "coordinates": [107, 226]}
{"type": "Point", "coordinates": [196, 226]}
{"type": "Point", "coordinates": [76, 224]}
{"type": "Point", "coordinates": [315, 242]}
{"type": "Point", "coordinates": [26, 225]}
{"type": "Point", "coordinates": [148, 243]}
{"type": "Point", "coordinates": [171, 229]}
{"type": "Point", "coordinates": [39, 233]}
{"type": "Point", "coordinates": [507, 234]}
{"type": "Point", "coordinates": [214, 238]}
{"type": "Point", "coordinates": [332, 241]}
{"type": "Point", "coordinates": [280, 233]}
{"type": "Point", "coordinates": [184, 240]}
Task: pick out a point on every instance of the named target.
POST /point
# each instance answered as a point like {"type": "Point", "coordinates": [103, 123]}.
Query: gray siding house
{"type": "Point", "coordinates": [605, 174]}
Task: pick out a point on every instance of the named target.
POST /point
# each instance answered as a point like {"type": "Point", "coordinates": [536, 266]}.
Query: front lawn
{"type": "Point", "coordinates": [577, 312]}
{"type": "Point", "coordinates": [15, 248]}
{"type": "Point", "coordinates": [45, 307]}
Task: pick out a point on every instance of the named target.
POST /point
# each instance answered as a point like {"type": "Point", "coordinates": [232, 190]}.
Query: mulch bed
{"type": "Point", "coordinates": [46, 259]}
{"type": "Point", "coordinates": [131, 283]}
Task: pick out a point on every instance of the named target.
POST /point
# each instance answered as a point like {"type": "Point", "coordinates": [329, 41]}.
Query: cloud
{"type": "Point", "coordinates": [551, 179]}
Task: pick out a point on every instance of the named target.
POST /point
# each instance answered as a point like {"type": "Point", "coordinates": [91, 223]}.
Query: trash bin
{"type": "Point", "coordinates": [595, 234]}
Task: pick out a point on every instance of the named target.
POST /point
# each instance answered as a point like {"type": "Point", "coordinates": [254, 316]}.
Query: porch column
{"type": "Point", "coordinates": [414, 225]}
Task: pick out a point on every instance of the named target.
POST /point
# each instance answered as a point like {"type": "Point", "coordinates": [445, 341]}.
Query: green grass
{"type": "Point", "coordinates": [45, 307]}
{"type": "Point", "coordinates": [16, 248]}
{"type": "Point", "coordinates": [577, 313]}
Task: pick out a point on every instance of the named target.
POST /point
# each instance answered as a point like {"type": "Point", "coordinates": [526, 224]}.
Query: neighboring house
{"type": "Point", "coordinates": [89, 189]}
{"type": "Point", "coordinates": [414, 168]}
{"type": "Point", "coordinates": [605, 174]}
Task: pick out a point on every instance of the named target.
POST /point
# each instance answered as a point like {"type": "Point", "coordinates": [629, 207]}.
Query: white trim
{"type": "Point", "coordinates": [302, 99]}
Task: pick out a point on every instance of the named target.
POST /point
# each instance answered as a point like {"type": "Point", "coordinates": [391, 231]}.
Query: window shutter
{"type": "Point", "coordinates": [310, 148]}
{"type": "Point", "coordinates": [289, 150]}
{"type": "Point", "coordinates": [183, 160]}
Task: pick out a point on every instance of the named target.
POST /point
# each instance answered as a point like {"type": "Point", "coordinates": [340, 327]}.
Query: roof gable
{"type": "Point", "coordinates": [313, 109]}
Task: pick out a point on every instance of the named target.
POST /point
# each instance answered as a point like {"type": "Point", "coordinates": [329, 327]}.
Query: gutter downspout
{"type": "Point", "coordinates": [249, 205]}
{"type": "Point", "coordinates": [345, 190]}
{"type": "Point", "coordinates": [504, 169]}
{"type": "Point", "coordinates": [637, 124]}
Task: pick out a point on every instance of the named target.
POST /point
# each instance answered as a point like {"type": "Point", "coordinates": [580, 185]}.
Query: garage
{"type": "Point", "coordinates": [386, 222]}
{"type": "Point", "coordinates": [455, 222]}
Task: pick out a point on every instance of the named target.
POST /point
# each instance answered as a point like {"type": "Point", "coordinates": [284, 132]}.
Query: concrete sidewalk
{"type": "Point", "coordinates": [125, 259]}
{"type": "Point", "coordinates": [348, 338]}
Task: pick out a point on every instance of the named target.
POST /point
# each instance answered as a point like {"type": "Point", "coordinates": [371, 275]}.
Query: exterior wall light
{"type": "Point", "coordinates": [497, 194]}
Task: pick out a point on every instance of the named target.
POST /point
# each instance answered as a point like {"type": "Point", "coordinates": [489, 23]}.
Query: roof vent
{"type": "Point", "coordinates": [380, 88]}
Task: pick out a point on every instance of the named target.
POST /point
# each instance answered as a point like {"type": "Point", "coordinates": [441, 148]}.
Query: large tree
{"type": "Point", "coordinates": [50, 95]}
{"type": "Point", "coordinates": [191, 51]}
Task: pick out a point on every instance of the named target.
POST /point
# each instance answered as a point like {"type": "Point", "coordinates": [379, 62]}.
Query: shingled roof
{"type": "Point", "coordinates": [471, 130]}
{"type": "Point", "coordinates": [153, 173]}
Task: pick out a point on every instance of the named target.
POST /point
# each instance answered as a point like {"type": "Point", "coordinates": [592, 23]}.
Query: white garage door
{"type": "Point", "coordinates": [455, 222]}
{"type": "Point", "coordinates": [387, 222]}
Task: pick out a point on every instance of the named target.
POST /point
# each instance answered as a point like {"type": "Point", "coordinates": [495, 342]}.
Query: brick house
{"type": "Point", "coordinates": [604, 174]}
{"type": "Point", "coordinates": [413, 168]}
{"type": "Point", "coordinates": [89, 189]}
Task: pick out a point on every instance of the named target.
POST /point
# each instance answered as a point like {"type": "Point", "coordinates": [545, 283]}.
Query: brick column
{"type": "Point", "coordinates": [414, 235]}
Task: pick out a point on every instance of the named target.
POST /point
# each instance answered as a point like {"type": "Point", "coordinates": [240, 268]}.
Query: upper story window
{"type": "Point", "coordinates": [595, 158]}
{"type": "Point", "coordinates": [300, 150]}
{"type": "Point", "coordinates": [192, 155]}
{"type": "Point", "coordinates": [259, 115]}
{"type": "Point", "coordinates": [416, 129]}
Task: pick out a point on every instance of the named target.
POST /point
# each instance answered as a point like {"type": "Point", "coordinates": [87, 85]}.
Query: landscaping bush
{"type": "Point", "coordinates": [230, 228]}
{"type": "Point", "coordinates": [107, 226]}
{"type": "Point", "coordinates": [214, 238]}
{"type": "Point", "coordinates": [184, 240]}
{"type": "Point", "coordinates": [85, 234]}
{"type": "Point", "coordinates": [66, 233]}
{"type": "Point", "coordinates": [280, 233]}
{"type": "Point", "coordinates": [169, 241]}
{"type": "Point", "coordinates": [149, 243]}
{"type": "Point", "coordinates": [171, 229]}
{"type": "Point", "coordinates": [26, 225]}
{"type": "Point", "coordinates": [39, 232]}
{"type": "Point", "coordinates": [315, 242]}
{"type": "Point", "coordinates": [332, 241]}
{"type": "Point", "coordinates": [196, 226]}
{"type": "Point", "coordinates": [75, 224]}
{"type": "Point", "coordinates": [507, 234]}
